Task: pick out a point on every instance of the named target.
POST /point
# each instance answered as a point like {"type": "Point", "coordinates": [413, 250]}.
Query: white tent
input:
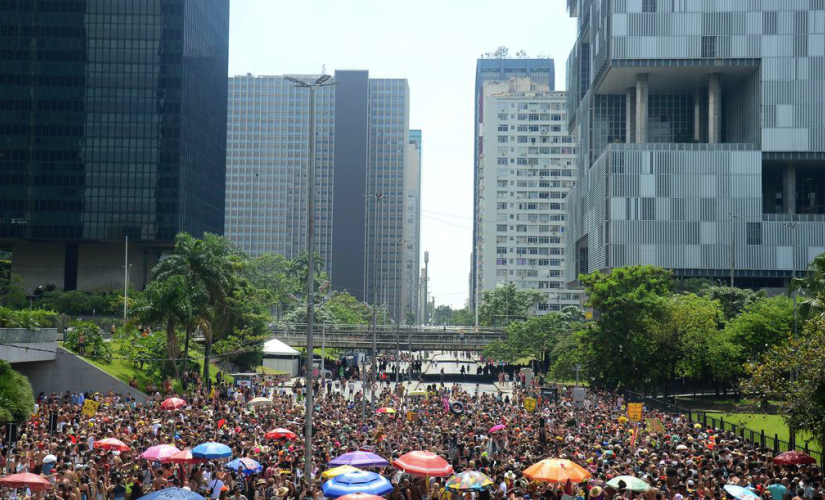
{"type": "Point", "coordinates": [281, 357]}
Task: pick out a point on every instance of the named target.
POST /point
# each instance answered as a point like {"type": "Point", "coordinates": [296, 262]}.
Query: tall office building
{"type": "Point", "coordinates": [701, 139]}
{"type": "Point", "coordinates": [362, 139]}
{"type": "Point", "coordinates": [540, 72]}
{"type": "Point", "coordinates": [525, 176]}
{"type": "Point", "coordinates": [112, 124]}
{"type": "Point", "coordinates": [412, 229]}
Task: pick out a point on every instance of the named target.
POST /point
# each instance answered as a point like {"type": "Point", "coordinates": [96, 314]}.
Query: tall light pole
{"type": "Point", "coordinates": [426, 280]}
{"type": "Point", "coordinates": [793, 226]}
{"type": "Point", "coordinates": [378, 197]}
{"type": "Point", "coordinates": [125, 279]}
{"type": "Point", "coordinates": [310, 249]}
{"type": "Point", "coordinates": [733, 219]}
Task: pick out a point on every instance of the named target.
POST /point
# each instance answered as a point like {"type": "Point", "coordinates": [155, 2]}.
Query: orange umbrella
{"type": "Point", "coordinates": [423, 463]}
{"type": "Point", "coordinates": [183, 457]}
{"type": "Point", "coordinates": [26, 480]}
{"type": "Point", "coordinates": [556, 470]}
{"type": "Point", "coordinates": [281, 434]}
{"type": "Point", "coordinates": [111, 444]}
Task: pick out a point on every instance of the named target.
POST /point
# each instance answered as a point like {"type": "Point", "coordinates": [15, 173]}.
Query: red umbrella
{"type": "Point", "coordinates": [281, 434]}
{"type": "Point", "coordinates": [111, 444]}
{"type": "Point", "coordinates": [26, 480]}
{"type": "Point", "coordinates": [173, 404]}
{"type": "Point", "coordinates": [183, 457]}
{"type": "Point", "coordinates": [360, 496]}
{"type": "Point", "coordinates": [793, 458]}
{"type": "Point", "coordinates": [423, 463]}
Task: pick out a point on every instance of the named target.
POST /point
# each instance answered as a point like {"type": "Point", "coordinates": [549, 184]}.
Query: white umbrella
{"type": "Point", "coordinates": [49, 459]}
{"type": "Point", "coordinates": [260, 402]}
{"type": "Point", "coordinates": [681, 447]}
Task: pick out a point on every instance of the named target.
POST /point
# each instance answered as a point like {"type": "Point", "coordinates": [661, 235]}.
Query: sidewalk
{"type": "Point", "coordinates": [503, 389]}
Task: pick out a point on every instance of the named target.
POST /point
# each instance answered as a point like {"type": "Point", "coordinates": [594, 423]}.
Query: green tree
{"type": "Point", "coordinates": [506, 304]}
{"type": "Point", "coordinates": [166, 302]}
{"type": "Point", "coordinates": [812, 288]}
{"type": "Point", "coordinates": [628, 301]}
{"type": "Point", "coordinates": [733, 300]}
{"type": "Point", "coordinates": [793, 373]}
{"type": "Point", "coordinates": [95, 346]}
{"type": "Point", "coordinates": [760, 326]}
{"type": "Point", "coordinates": [534, 339]}
{"type": "Point", "coordinates": [16, 397]}
{"type": "Point", "coordinates": [346, 310]}
{"type": "Point", "coordinates": [12, 294]}
{"type": "Point", "coordinates": [275, 274]}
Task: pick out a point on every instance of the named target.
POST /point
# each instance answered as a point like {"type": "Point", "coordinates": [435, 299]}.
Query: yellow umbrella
{"type": "Point", "coordinates": [554, 470]}
{"type": "Point", "coordinates": [337, 471]}
{"type": "Point", "coordinates": [417, 393]}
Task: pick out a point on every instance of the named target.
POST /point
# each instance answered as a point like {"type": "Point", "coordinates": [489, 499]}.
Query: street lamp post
{"type": "Point", "coordinates": [310, 249]}
{"type": "Point", "coordinates": [793, 227]}
{"type": "Point", "coordinates": [378, 197]}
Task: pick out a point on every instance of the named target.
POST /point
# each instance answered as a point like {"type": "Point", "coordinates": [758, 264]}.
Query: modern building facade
{"type": "Point", "coordinates": [701, 137]}
{"type": "Point", "coordinates": [112, 124]}
{"type": "Point", "coordinates": [411, 237]}
{"type": "Point", "coordinates": [362, 141]}
{"type": "Point", "coordinates": [540, 72]}
{"type": "Point", "coordinates": [525, 176]}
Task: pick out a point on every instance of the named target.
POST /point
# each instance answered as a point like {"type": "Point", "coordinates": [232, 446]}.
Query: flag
{"type": "Point", "coordinates": [221, 423]}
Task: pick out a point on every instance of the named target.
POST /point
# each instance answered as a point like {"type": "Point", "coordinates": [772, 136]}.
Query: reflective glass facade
{"type": "Point", "coordinates": [112, 118]}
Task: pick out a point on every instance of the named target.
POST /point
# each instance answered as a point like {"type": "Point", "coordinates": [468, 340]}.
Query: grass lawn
{"type": "Point", "coordinates": [124, 370]}
{"type": "Point", "coordinates": [771, 424]}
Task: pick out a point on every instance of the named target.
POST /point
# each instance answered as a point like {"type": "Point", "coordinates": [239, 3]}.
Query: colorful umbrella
{"type": "Point", "coordinates": [359, 459]}
{"type": "Point", "coordinates": [356, 482]}
{"type": "Point", "coordinates": [26, 480]}
{"type": "Point", "coordinates": [337, 471]}
{"type": "Point", "coordinates": [470, 480]}
{"type": "Point", "coordinates": [183, 457]}
{"type": "Point", "coordinates": [211, 451]}
{"type": "Point", "coordinates": [360, 496]}
{"type": "Point", "coordinates": [173, 404]}
{"type": "Point", "coordinates": [497, 428]}
{"type": "Point", "coordinates": [423, 463]}
{"type": "Point", "coordinates": [555, 470]}
{"type": "Point", "coordinates": [385, 409]}
{"type": "Point", "coordinates": [417, 393]}
{"type": "Point", "coordinates": [172, 494]}
{"type": "Point", "coordinates": [280, 434]}
{"type": "Point", "coordinates": [630, 483]}
{"type": "Point", "coordinates": [741, 493]}
{"type": "Point", "coordinates": [160, 452]}
{"type": "Point", "coordinates": [111, 444]}
{"type": "Point", "coordinates": [245, 465]}
{"type": "Point", "coordinates": [260, 402]}
{"type": "Point", "coordinates": [793, 458]}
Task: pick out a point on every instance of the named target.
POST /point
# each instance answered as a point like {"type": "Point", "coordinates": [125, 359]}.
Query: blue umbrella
{"type": "Point", "coordinates": [741, 493]}
{"type": "Point", "coordinates": [173, 494]}
{"type": "Point", "coordinates": [211, 451]}
{"type": "Point", "coordinates": [359, 459]}
{"type": "Point", "coordinates": [245, 465]}
{"type": "Point", "coordinates": [356, 482]}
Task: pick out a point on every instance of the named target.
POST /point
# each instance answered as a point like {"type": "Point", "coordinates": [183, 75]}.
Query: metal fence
{"type": "Point", "coordinates": [712, 421]}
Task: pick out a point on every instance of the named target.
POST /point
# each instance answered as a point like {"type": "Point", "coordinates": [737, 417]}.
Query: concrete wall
{"type": "Point", "coordinates": [38, 263]}
{"type": "Point", "coordinates": [72, 373]}
{"type": "Point", "coordinates": [24, 342]}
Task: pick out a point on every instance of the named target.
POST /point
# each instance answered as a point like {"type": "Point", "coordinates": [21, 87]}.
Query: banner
{"type": "Point", "coordinates": [634, 411]}
{"type": "Point", "coordinates": [90, 407]}
{"type": "Point", "coordinates": [530, 404]}
{"type": "Point", "coordinates": [655, 426]}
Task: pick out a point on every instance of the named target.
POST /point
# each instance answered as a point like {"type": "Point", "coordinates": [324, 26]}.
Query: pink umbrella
{"type": "Point", "coordinates": [111, 444]}
{"type": "Point", "coordinates": [183, 457]}
{"type": "Point", "coordinates": [160, 453]}
{"type": "Point", "coordinates": [497, 428]}
{"type": "Point", "coordinates": [173, 404]}
{"type": "Point", "coordinates": [33, 482]}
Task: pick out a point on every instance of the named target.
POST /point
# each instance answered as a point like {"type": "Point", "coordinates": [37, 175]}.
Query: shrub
{"type": "Point", "coordinates": [95, 346]}
{"type": "Point", "coordinates": [25, 318]}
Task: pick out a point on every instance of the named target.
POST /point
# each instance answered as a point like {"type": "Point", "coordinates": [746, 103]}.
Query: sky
{"type": "Point", "coordinates": [435, 45]}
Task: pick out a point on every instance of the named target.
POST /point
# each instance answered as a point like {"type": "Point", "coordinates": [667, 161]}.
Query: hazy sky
{"type": "Point", "coordinates": [432, 43]}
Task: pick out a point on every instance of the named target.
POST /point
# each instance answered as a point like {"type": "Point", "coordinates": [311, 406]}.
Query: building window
{"type": "Point", "coordinates": [648, 5]}
{"type": "Point", "coordinates": [708, 46]}
{"type": "Point", "coordinates": [754, 233]}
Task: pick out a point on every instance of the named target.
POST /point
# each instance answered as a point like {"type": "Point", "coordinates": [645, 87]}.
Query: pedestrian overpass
{"type": "Point", "coordinates": [360, 337]}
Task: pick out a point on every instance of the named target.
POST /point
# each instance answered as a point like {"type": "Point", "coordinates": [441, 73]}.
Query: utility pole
{"type": "Point", "coordinates": [734, 218]}
{"type": "Point", "coordinates": [793, 227]}
{"type": "Point", "coordinates": [426, 281]}
{"type": "Point", "coordinates": [377, 197]}
{"type": "Point", "coordinates": [126, 279]}
{"type": "Point", "coordinates": [310, 284]}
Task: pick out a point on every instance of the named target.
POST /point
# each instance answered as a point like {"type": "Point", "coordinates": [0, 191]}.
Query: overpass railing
{"type": "Point", "coordinates": [361, 336]}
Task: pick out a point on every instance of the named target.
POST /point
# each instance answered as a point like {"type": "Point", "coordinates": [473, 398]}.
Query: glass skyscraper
{"type": "Point", "coordinates": [362, 135]}
{"type": "Point", "coordinates": [112, 124]}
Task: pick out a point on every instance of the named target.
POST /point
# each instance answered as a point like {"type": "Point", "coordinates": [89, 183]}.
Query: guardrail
{"type": "Point", "coordinates": [424, 339]}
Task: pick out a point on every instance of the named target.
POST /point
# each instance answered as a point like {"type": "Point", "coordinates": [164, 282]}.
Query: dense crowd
{"type": "Point", "coordinates": [678, 459]}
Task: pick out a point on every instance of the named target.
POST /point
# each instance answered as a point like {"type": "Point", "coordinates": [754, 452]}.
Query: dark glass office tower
{"type": "Point", "coordinates": [112, 124]}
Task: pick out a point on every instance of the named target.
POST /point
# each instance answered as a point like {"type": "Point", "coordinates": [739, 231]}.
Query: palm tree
{"type": "Point", "coordinates": [16, 397]}
{"type": "Point", "coordinates": [166, 302]}
{"type": "Point", "coordinates": [812, 288]}
{"type": "Point", "coordinates": [209, 267]}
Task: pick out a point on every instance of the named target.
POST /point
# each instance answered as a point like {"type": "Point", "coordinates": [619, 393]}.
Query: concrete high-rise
{"type": "Point", "coordinates": [362, 138]}
{"type": "Point", "coordinates": [411, 237]}
{"type": "Point", "coordinates": [701, 139]}
{"type": "Point", "coordinates": [113, 125]}
{"type": "Point", "coordinates": [540, 72]}
{"type": "Point", "coordinates": [525, 176]}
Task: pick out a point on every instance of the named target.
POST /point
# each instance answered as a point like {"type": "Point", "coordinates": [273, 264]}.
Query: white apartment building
{"type": "Point", "coordinates": [527, 159]}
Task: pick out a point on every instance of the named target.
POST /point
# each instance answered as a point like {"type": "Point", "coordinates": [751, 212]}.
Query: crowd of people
{"type": "Point", "coordinates": [678, 459]}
